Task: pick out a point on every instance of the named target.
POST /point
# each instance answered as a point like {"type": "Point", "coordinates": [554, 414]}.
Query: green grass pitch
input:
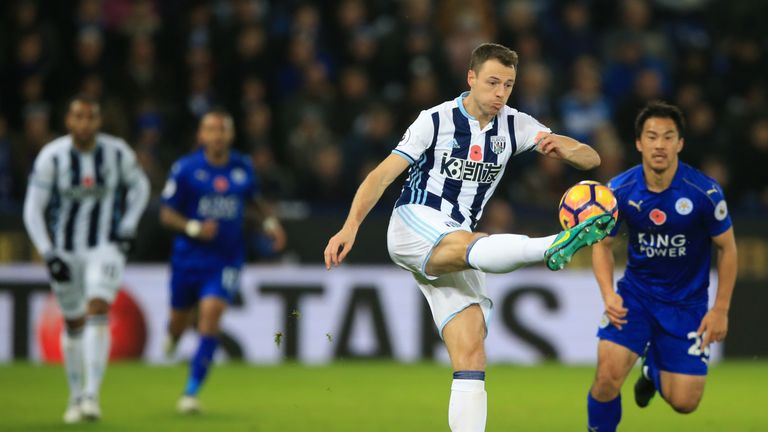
{"type": "Point", "coordinates": [366, 396]}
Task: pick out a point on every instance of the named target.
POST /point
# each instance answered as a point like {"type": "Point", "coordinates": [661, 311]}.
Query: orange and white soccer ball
{"type": "Point", "coordinates": [586, 199]}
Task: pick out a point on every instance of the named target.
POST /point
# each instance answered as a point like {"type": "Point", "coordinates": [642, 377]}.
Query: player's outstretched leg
{"type": "Point", "coordinates": [568, 242]}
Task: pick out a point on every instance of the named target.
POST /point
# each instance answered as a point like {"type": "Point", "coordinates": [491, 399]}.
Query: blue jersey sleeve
{"type": "Point", "coordinates": [174, 190]}
{"type": "Point", "coordinates": [716, 216]}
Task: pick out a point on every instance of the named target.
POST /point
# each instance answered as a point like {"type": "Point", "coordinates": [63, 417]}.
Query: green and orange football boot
{"type": "Point", "coordinates": [568, 242]}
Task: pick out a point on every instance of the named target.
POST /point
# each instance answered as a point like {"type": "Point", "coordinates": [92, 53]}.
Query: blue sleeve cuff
{"type": "Point", "coordinates": [405, 156]}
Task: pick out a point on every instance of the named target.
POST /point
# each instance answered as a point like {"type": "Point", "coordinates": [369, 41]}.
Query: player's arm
{"type": "Point", "coordinates": [34, 217]}
{"type": "Point", "coordinates": [259, 210]}
{"type": "Point", "coordinates": [602, 266]}
{"type": "Point", "coordinates": [136, 200]}
{"type": "Point", "coordinates": [576, 154]}
{"type": "Point", "coordinates": [35, 202]}
{"type": "Point", "coordinates": [368, 194]}
{"type": "Point", "coordinates": [714, 326]}
{"type": "Point", "coordinates": [173, 219]}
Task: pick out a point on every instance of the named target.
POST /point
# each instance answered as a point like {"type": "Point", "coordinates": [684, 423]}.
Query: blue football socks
{"type": "Point", "coordinates": [603, 416]}
{"type": "Point", "coordinates": [200, 363]}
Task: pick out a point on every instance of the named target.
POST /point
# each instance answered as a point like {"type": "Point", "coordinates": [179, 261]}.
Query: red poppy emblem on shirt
{"type": "Point", "coordinates": [476, 153]}
{"type": "Point", "coordinates": [87, 181]}
{"type": "Point", "coordinates": [658, 217]}
{"type": "Point", "coordinates": [221, 184]}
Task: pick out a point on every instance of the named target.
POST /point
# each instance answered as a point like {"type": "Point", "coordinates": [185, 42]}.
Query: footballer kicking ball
{"type": "Point", "coordinates": [586, 199]}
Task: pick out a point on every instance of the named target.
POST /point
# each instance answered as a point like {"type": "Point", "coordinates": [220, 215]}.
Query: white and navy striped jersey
{"type": "Point", "coordinates": [456, 166]}
{"type": "Point", "coordinates": [90, 197]}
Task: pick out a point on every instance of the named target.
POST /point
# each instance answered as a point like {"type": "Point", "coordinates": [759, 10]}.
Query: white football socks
{"type": "Point", "coordinates": [72, 349]}
{"type": "Point", "coordinates": [468, 406]}
{"type": "Point", "coordinates": [96, 349]}
{"type": "Point", "coordinates": [503, 253]}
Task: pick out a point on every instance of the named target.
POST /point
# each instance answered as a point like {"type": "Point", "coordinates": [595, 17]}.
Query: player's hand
{"type": "Point", "coordinates": [208, 230]}
{"type": "Point", "coordinates": [615, 310]}
{"type": "Point", "coordinates": [714, 327]}
{"type": "Point", "coordinates": [552, 145]}
{"type": "Point", "coordinates": [58, 269]}
{"type": "Point", "coordinates": [125, 244]}
{"type": "Point", "coordinates": [339, 246]}
{"type": "Point", "coordinates": [274, 230]}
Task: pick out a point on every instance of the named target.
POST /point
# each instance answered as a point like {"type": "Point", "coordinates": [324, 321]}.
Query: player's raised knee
{"type": "Point", "coordinates": [684, 405]}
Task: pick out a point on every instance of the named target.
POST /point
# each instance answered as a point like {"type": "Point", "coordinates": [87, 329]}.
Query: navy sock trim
{"type": "Point", "coordinates": [469, 375]}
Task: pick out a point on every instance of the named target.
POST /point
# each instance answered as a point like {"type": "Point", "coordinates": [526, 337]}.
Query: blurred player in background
{"type": "Point", "coordinates": [457, 152]}
{"type": "Point", "coordinates": [673, 213]}
{"type": "Point", "coordinates": [205, 200]}
{"type": "Point", "coordinates": [94, 192]}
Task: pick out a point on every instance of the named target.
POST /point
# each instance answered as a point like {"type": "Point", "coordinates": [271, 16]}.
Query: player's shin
{"type": "Point", "coordinates": [200, 364]}
{"type": "Point", "coordinates": [96, 344]}
{"type": "Point", "coordinates": [72, 348]}
{"type": "Point", "coordinates": [503, 253]}
{"type": "Point", "coordinates": [603, 416]}
{"type": "Point", "coordinates": [468, 406]}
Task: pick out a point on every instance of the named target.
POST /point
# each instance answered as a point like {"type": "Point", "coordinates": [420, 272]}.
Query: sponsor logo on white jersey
{"type": "Point", "coordinates": [462, 169]}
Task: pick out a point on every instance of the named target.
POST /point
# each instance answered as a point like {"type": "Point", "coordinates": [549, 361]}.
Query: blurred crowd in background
{"type": "Point", "coordinates": [321, 91]}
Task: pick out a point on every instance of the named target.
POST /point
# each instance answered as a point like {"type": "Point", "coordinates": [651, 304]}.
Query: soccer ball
{"type": "Point", "coordinates": [583, 200]}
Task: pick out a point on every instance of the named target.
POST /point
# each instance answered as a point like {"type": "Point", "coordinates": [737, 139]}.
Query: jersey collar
{"type": "Point", "coordinates": [460, 103]}
{"type": "Point", "coordinates": [677, 181]}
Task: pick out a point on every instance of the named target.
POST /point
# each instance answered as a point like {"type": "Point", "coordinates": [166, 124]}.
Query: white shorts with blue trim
{"type": "Point", "coordinates": [414, 231]}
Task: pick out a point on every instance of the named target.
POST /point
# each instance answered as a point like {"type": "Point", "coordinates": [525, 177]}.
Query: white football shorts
{"type": "Point", "coordinates": [414, 231]}
{"type": "Point", "coordinates": [95, 273]}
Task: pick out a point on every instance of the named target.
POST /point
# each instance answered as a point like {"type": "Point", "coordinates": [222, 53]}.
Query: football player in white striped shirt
{"type": "Point", "coordinates": [87, 190]}
{"type": "Point", "coordinates": [456, 153]}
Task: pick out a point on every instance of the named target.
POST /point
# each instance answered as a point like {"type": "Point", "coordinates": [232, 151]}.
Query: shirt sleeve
{"type": "Point", "coordinates": [138, 193]}
{"type": "Point", "coordinates": [527, 129]}
{"type": "Point", "coordinates": [715, 214]}
{"type": "Point", "coordinates": [43, 171]}
{"type": "Point", "coordinates": [172, 194]}
{"type": "Point", "coordinates": [39, 188]}
{"type": "Point", "coordinates": [34, 220]}
{"type": "Point", "coordinates": [620, 217]}
{"type": "Point", "coordinates": [417, 138]}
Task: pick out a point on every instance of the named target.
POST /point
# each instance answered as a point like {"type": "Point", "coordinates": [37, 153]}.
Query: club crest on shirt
{"type": "Point", "coordinates": [201, 175]}
{"type": "Point", "coordinates": [498, 143]}
{"type": "Point", "coordinates": [684, 206]}
{"type": "Point", "coordinates": [658, 216]}
{"type": "Point", "coordinates": [238, 175]}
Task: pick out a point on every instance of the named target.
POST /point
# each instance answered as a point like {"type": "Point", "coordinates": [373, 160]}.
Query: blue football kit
{"type": "Point", "coordinates": [201, 191]}
{"type": "Point", "coordinates": [665, 284]}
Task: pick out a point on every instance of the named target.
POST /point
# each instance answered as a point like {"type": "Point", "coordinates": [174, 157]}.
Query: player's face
{"type": "Point", "coordinates": [215, 133]}
{"type": "Point", "coordinates": [659, 143]}
{"type": "Point", "coordinates": [83, 121]}
{"type": "Point", "coordinates": [491, 86]}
